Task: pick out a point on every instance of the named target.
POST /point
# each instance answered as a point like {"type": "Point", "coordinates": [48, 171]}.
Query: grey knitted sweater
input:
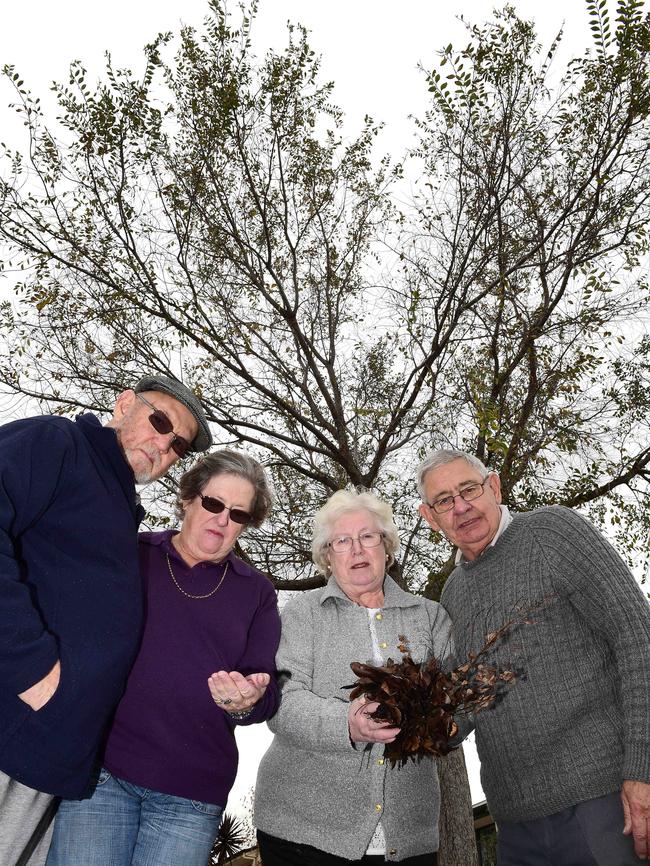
{"type": "Point", "coordinates": [579, 722]}
{"type": "Point", "coordinates": [314, 787]}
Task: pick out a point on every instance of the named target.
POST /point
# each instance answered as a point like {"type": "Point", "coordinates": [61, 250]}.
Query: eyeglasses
{"type": "Point", "coordinates": [343, 543]}
{"type": "Point", "coordinates": [467, 494]}
{"type": "Point", "coordinates": [161, 424]}
{"type": "Point", "coordinates": [216, 506]}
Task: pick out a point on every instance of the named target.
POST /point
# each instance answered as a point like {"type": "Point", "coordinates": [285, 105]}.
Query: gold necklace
{"type": "Point", "coordinates": [189, 594]}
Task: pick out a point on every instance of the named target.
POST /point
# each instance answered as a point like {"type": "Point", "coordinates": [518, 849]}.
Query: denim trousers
{"type": "Point", "coordinates": [123, 824]}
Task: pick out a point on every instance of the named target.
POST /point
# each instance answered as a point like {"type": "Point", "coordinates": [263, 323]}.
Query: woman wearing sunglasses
{"type": "Point", "coordinates": [206, 664]}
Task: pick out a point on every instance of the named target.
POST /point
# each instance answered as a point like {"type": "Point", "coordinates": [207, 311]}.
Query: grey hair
{"type": "Point", "coordinates": [227, 462]}
{"type": "Point", "coordinates": [347, 502]}
{"type": "Point", "coordinates": [441, 457]}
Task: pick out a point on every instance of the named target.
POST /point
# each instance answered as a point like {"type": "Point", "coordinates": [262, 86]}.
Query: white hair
{"type": "Point", "coordinates": [348, 502]}
{"type": "Point", "coordinates": [441, 457]}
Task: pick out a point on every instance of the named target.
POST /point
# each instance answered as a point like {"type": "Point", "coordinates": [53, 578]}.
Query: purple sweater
{"type": "Point", "coordinates": [168, 734]}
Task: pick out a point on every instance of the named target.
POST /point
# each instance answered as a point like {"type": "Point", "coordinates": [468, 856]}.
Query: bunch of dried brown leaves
{"type": "Point", "coordinates": [422, 699]}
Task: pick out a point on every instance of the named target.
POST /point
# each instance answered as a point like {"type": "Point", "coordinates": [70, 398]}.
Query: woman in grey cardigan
{"type": "Point", "coordinates": [325, 795]}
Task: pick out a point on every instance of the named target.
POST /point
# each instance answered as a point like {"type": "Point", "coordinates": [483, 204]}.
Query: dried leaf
{"type": "Point", "coordinates": [422, 698]}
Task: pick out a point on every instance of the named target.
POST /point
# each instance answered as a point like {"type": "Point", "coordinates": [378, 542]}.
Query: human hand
{"type": "Point", "coordinates": [364, 729]}
{"type": "Point", "coordinates": [235, 692]}
{"type": "Point", "coordinates": [636, 808]}
{"type": "Point", "coordinates": [39, 694]}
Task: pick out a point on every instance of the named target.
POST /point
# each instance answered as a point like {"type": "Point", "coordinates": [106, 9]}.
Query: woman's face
{"type": "Point", "coordinates": [359, 570]}
{"type": "Point", "coordinates": [205, 536]}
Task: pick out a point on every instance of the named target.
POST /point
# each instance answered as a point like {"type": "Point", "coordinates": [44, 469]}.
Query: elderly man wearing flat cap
{"type": "Point", "coordinates": [70, 615]}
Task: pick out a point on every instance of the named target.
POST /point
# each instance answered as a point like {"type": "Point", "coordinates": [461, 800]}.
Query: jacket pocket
{"type": "Point", "coordinates": [64, 695]}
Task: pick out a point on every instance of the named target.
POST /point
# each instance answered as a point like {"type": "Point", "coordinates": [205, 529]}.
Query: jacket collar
{"type": "Point", "coordinates": [103, 440]}
{"type": "Point", "coordinates": [394, 596]}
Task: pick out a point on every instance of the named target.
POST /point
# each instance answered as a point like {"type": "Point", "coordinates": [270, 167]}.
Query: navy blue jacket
{"type": "Point", "coordinates": [70, 590]}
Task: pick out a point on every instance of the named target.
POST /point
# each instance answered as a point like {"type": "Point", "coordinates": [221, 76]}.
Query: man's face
{"type": "Point", "coordinates": [149, 453]}
{"type": "Point", "coordinates": [471, 526]}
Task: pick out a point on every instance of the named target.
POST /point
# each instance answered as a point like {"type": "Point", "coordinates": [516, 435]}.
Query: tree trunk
{"type": "Point", "coordinates": [457, 840]}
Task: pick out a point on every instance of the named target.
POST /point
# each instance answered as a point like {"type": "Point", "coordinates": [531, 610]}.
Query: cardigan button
{"type": "Point", "coordinates": [393, 851]}
{"type": "Point", "coordinates": [383, 645]}
{"type": "Point", "coordinates": [378, 616]}
{"type": "Point", "coordinates": [380, 761]}
{"type": "Point", "coordinates": [378, 807]}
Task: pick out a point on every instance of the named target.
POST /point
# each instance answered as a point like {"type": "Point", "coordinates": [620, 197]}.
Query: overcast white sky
{"type": "Point", "coordinates": [370, 48]}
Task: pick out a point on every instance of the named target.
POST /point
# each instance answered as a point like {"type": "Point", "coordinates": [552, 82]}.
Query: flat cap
{"type": "Point", "coordinates": [178, 391]}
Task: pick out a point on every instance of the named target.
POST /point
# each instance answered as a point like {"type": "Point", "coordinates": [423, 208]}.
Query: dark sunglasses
{"type": "Point", "coordinates": [161, 424]}
{"type": "Point", "coordinates": [216, 506]}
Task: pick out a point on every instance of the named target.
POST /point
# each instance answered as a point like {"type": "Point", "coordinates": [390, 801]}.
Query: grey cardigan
{"type": "Point", "coordinates": [314, 786]}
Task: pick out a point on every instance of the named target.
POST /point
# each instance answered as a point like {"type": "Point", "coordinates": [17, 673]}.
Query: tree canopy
{"type": "Point", "coordinates": [208, 220]}
{"type": "Point", "coordinates": [341, 314]}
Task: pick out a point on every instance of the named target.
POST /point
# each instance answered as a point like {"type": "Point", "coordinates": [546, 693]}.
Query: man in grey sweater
{"type": "Point", "coordinates": [565, 756]}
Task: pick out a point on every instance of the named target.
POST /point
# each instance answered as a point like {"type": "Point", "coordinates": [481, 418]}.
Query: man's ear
{"type": "Point", "coordinates": [123, 403]}
{"type": "Point", "coordinates": [430, 516]}
{"type": "Point", "coordinates": [495, 484]}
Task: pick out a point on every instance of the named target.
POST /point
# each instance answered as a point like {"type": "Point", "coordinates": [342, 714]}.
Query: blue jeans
{"type": "Point", "coordinates": [126, 825]}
